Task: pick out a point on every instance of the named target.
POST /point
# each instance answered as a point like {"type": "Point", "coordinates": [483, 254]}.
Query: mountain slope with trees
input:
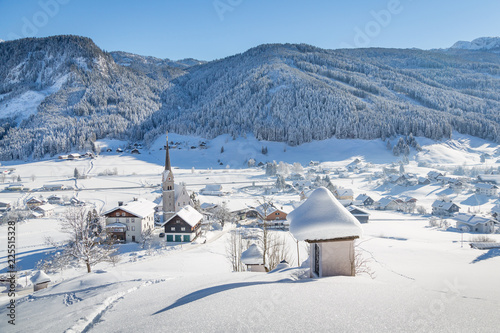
{"type": "Point", "coordinates": [280, 92]}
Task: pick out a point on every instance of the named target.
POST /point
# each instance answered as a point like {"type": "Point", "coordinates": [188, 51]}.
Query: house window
{"type": "Point", "coordinates": [133, 228]}
{"type": "Point", "coordinates": [117, 213]}
{"type": "Point", "coordinates": [123, 213]}
{"type": "Point", "coordinates": [133, 220]}
{"type": "Point", "coordinates": [172, 229]}
{"type": "Point", "coordinates": [128, 228]}
{"type": "Point", "coordinates": [276, 213]}
{"type": "Point", "coordinates": [177, 221]}
{"type": "Point", "coordinates": [183, 229]}
{"type": "Point", "coordinates": [127, 220]}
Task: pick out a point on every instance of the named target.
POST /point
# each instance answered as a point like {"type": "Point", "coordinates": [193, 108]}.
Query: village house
{"type": "Point", "coordinates": [212, 189]}
{"type": "Point", "coordinates": [137, 216]}
{"type": "Point", "coordinates": [433, 175]}
{"type": "Point", "coordinates": [55, 199]}
{"type": "Point", "coordinates": [74, 156]}
{"type": "Point", "coordinates": [272, 216]}
{"type": "Point", "coordinates": [360, 214]}
{"type": "Point", "coordinates": [343, 194]}
{"type": "Point", "coordinates": [407, 203]}
{"type": "Point", "coordinates": [45, 210]}
{"type": "Point", "coordinates": [183, 226]}
{"type": "Point", "coordinates": [330, 229]}
{"type": "Point", "coordinates": [443, 208]}
{"type": "Point", "coordinates": [473, 223]}
{"type": "Point", "coordinates": [53, 187]}
{"type": "Point", "coordinates": [34, 202]}
{"type": "Point", "coordinates": [364, 200]}
{"type": "Point", "coordinates": [423, 181]}
{"type": "Point", "coordinates": [388, 203]}
{"type": "Point", "coordinates": [487, 189]}
{"type": "Point", "coordinates": [253, 258]}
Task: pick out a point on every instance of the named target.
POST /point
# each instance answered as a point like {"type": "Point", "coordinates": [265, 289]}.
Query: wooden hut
{"type": "Point", "coordinates": [331, 230]}
{"type": "Point", "coordinates": [40, 280]}
{"type": "Point", "coordinates": [253, 259]}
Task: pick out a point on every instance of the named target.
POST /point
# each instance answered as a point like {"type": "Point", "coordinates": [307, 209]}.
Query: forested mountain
{"type": "Point", "coordinates": [280, 92]}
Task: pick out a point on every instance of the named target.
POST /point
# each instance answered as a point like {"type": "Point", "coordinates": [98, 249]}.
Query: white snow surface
{"type": "Point", "coordinates": [424, 279]}
{"type": "Point", "coordinates": [323, 217]}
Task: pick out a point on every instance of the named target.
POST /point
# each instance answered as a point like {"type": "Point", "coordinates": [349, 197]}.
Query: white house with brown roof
{"type": "Point", "coordinates": [330, 229]}
{"type": "Point", "coordinates": [137, 216]}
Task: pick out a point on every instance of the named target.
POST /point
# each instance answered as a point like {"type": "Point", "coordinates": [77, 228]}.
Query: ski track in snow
{"type": "Point", "coordinates": [86, 323]}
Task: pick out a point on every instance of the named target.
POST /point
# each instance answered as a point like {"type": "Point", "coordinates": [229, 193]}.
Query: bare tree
{"type": "Point", "coordinates": [266, 206]}
{"type": "Point", "coordinates": [222, 214]}
{"type": "Point", "coordinates": [88, 241]}
{"type": "Point", "coordinates": [234, 248]}
{"type": "Point", "coordinates": [278, 250]}
{"type": "Point", "coordinates": [146, 237]}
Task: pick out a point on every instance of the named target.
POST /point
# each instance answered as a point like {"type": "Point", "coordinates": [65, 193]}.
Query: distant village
{"type": "Point", "coordinates": [180, 218]}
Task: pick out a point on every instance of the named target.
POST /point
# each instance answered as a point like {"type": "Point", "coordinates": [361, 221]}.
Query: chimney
{"type": "Point", "coordinates": [120, 203]}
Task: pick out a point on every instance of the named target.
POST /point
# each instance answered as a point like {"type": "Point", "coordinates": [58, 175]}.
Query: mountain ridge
{"type": "Point", "coordinates": [292, 93]}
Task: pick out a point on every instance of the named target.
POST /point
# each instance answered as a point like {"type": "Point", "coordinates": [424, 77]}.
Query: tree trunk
{"type": "Point", "coordinates": [89, 269]}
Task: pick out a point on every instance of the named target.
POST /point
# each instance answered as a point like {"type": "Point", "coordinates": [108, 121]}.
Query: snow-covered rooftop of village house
{"type": "Point", "coordinates": [470, 219]}
{"type": "Point", "coordinates": [322, 217]}
{"type": "Point", "coordinates": [190, 215]}
{"type": "Point", "coordinates": [140, 208]}
{"type": "Point", "coordinates": [252, 256]}
{"type": "Point", "coordinates": [40, 277]}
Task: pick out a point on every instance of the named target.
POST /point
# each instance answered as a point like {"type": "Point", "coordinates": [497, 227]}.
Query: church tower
{"type": "Point", "coordinates": [168, 191]}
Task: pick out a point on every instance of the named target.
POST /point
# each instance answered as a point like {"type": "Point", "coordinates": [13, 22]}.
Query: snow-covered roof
{"type": "Point", "coordinates": [322, 217]}
{"type": "Point", "coordinates": [140, 208]}
{"type": "Point", "coordinates": [362, 197]}
{"type": "Point", "coordinates": [252, 256]}
{"type": "Point", "coordinates": [345, 192]}
{"type": "Point", "coordinates": [45, 208]}
{"type": "Point", "coordinates": [212, 187]}
{"type": "Point", "coordinates": [486, 186]}
{"type": "Point", "coordinates": [265, 209]}
{"type": "Point", "coordinates": [190, 215]}
{"type": "Point", "coordinates": [442, 204]}
{"type": "Point", "coordinates": [470, 219]}
{"type": "Point", "coordinates": [40, 277]}
{"type": "Point", "coordinates": [355, 210]}
{"type": "Point", "coordinates": [385, 201]}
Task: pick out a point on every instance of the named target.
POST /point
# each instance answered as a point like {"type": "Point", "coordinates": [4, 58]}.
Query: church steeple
{"type": "Point", "coordinates": [168, 187]}
{"type": "Point", "coordinates": [167, 157]}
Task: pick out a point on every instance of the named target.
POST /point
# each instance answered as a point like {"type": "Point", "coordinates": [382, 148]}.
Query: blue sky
{"type": "Point", "coordinates": [211, 29]}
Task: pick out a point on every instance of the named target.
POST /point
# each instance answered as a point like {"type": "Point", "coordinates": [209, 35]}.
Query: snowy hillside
{"type": "Point", "coordinates": [277, 92]}
{"type": "Point", "coordinates": [483, 43]}
{"type": "Point", "coordinates": [425, 279]}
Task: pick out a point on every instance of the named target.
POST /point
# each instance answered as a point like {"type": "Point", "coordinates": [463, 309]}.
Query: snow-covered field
{"type": "Point", "coordinates": [424, 279]}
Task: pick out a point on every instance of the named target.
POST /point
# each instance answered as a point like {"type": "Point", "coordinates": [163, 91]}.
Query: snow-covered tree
{"type": "Point", "coordinates": [88, 242]}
